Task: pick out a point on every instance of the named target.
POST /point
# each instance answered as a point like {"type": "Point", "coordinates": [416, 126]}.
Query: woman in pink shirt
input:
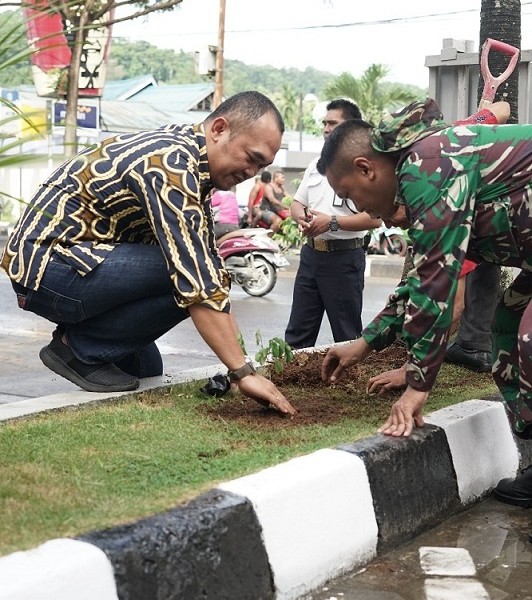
{"type": "Point", "coordinates": [226, 213]}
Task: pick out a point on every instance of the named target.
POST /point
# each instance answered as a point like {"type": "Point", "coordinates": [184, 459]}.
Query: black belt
{"type": "Point", "coordinates": [335, 245]}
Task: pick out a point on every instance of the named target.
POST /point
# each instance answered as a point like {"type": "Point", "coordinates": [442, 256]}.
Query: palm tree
{"type": "Point", "coordinates": [16, 127]}
{"type": "Point", "coordinates": [501, 20]}
{"type": "Point", "coordinates": [289, 106]}
{"type": "Point", "coordinates": [369, 92]}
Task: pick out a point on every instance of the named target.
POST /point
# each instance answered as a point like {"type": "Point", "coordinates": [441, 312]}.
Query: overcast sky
{"type": "Point", "coordinates": [331, 35]}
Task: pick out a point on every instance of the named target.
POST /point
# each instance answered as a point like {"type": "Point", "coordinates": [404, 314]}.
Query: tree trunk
{"type": "Point", "coordinates": [501, 20]}
{"type": "Point", "coordinates": [71, 118]}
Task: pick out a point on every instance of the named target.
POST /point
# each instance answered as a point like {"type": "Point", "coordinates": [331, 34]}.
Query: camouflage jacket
{"type": "Point", "coordinates": [468, 192]}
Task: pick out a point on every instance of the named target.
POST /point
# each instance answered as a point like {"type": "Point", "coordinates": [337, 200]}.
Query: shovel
{"type": "Point", "coordinates": [491, 83]}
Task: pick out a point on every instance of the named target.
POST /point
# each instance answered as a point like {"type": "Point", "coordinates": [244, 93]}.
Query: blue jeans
{"type": "Point", "coordinates": [118, 310]}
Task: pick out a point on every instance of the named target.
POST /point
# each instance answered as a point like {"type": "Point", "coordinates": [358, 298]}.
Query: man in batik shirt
{"type": "Point", "coordinates": [117, 247]}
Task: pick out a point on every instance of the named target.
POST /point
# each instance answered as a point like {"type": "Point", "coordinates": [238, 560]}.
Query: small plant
{"type": "Point", "coordinates": [241, 342]}
{"type": "Point", "coordinates": [277, 351]}
{"type": "Point", "coordinates": [288, 235]}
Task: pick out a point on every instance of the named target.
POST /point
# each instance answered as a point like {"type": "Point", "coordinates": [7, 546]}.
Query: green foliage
{"type": "Point", "coordinates": [372, 95]}
{"type": "Point", "coordinates": [134, 59]}
{"type": "Point", "coordinates": [15, 66]}
{"type": "Point", "coordinates": [285, 86]}
{"type": "Point", "coordinates": [288, 105]}
{"type": "Point", "coordinates": [276, 351]}
{"type": "Point", "coordinates": [242, 343]}
{"type": "Point", "coordinates": [288, 235]}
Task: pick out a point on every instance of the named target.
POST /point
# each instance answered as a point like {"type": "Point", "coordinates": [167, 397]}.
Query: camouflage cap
{"type": "Point", "coordinates": [412, 123]}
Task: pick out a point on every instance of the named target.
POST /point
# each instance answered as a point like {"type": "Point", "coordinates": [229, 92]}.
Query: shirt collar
{"type": "Point", "coordinates": [206, 184]}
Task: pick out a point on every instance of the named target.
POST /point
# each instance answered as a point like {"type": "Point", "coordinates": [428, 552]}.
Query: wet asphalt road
{"type": "Point", "coordinates": [494, 534]}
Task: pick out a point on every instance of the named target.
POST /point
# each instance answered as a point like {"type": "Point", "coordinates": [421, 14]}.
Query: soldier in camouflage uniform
{"type": "Point", "coordinates": [464, 191]}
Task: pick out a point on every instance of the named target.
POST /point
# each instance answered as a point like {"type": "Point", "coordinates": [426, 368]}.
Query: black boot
{"type": "Point", "coordinates": [516, 491]}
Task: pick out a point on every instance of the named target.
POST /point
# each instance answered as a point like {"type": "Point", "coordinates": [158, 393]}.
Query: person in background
{"type": "Point", "coordinates": [330, 277]}
{"type": "Point", "coordinates": [277, 188]}
{"type": "Point", "coordinates": [117, 247]}
{"type": "Point", "coordinates": [273, 210]}
{"type": "Point", "coordinates": [226, 212]}
{"type": "Point", "coordinates": [467, 192]}
{"type": "Point", "coordinates": [471, 347]}
{"type": "Point", "coordinates": [255, 198]}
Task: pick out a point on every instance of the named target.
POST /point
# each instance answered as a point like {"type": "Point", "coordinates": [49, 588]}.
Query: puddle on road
{"type": "Point", "coordinates": [494, 534]}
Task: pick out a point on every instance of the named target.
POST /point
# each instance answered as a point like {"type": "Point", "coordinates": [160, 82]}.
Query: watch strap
{"type": "Point", "coordinates": [238, 374]}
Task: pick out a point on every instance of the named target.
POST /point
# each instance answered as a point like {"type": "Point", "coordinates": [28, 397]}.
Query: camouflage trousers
{"type": "Point", "coordinates": [512, 352]}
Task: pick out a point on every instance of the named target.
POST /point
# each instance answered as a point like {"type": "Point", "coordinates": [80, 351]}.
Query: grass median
{"type": "Point", "coordinates": [70, 471]}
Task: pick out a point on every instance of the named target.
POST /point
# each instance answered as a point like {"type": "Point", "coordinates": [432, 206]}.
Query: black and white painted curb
{"type": "Point", "coordinates": [283, 531]}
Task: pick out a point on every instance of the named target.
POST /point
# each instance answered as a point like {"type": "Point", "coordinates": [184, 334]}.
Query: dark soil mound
{"type": "Point", "coordinates": [317, 402]}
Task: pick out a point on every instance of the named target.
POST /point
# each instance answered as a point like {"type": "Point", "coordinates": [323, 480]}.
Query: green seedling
{"type": "Point", "coordinates": [277, 351]}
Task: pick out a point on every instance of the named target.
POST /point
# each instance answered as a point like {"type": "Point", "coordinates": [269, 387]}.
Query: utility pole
{"type": "Point", "coordinates": [219, 77]}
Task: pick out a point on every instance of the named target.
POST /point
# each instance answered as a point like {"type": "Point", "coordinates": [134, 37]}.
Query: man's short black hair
{"type": "Point", "coordinates": [348, 108]}
{"type": "Point", "coordinates": [245, 108]}
{"type": "Point", "coordinates": [265, 177]}
{"type": "Point", "coordinates": [345, 142]}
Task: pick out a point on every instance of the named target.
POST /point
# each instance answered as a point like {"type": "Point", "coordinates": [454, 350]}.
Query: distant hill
{"type": "Point", "coordinates": [131, 59]}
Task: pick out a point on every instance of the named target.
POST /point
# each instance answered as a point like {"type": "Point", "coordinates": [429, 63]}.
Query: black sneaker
{"type": "Point", "coordinates": [474, 360]}
{"type": "Point", "coordinates": [102, 377]}
{"type": "Point", "coordinates": [516, 491]}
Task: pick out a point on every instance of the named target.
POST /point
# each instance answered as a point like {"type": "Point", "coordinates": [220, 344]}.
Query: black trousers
{"type": "Point", "coordinates": [474, 330]}
{"type": "Point", "coordinates": [327, 282]}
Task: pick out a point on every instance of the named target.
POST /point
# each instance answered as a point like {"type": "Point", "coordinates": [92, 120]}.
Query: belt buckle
{"type": "Point", "coordinates": [321, 245]}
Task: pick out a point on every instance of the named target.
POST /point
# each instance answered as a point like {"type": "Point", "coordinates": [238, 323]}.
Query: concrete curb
{"type": "Point", "coordinates": [283, 531]}
{"type": "Point", "coordinates": [31, 406]}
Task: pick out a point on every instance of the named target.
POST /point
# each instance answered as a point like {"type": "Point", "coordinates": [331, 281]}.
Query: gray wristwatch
{"type": "Point", "coordinates": [334, 225]}
{"type": "Point", "coordinates": [238, 374]}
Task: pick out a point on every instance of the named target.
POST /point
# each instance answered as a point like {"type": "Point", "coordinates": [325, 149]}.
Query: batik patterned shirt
{"type": "Point", "coordinates": [139, 188]}
{"type": "Point", "coordinates": [467, 191]}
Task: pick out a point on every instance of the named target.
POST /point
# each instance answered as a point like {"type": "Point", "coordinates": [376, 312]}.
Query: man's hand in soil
{"type": "Point", "coordinates": [389, 380]}
{"type": "Point", "coordinates": [405, 413]}
{"type": "Point", "coordinates": [340, 357]}
{"type": "Point", "coordinates": [263, 391]}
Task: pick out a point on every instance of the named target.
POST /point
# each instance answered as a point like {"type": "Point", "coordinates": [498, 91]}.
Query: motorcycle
{"type": "Point", "coordinates": [252, 259]}
{"type": "Point", "coordinates": [389, 241]}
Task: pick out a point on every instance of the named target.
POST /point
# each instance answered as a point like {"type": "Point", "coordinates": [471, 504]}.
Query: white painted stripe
{"type": "Point", "coordinates": [447, 562]}
{"type": "Point", "coordinates": [481, 443]}
{"type": "Point", "coordinates": [60, 569]}
{"type": "Point", "coordinates": [451, 588]}
{"type": "Point", "coordinates": [317, 518]}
